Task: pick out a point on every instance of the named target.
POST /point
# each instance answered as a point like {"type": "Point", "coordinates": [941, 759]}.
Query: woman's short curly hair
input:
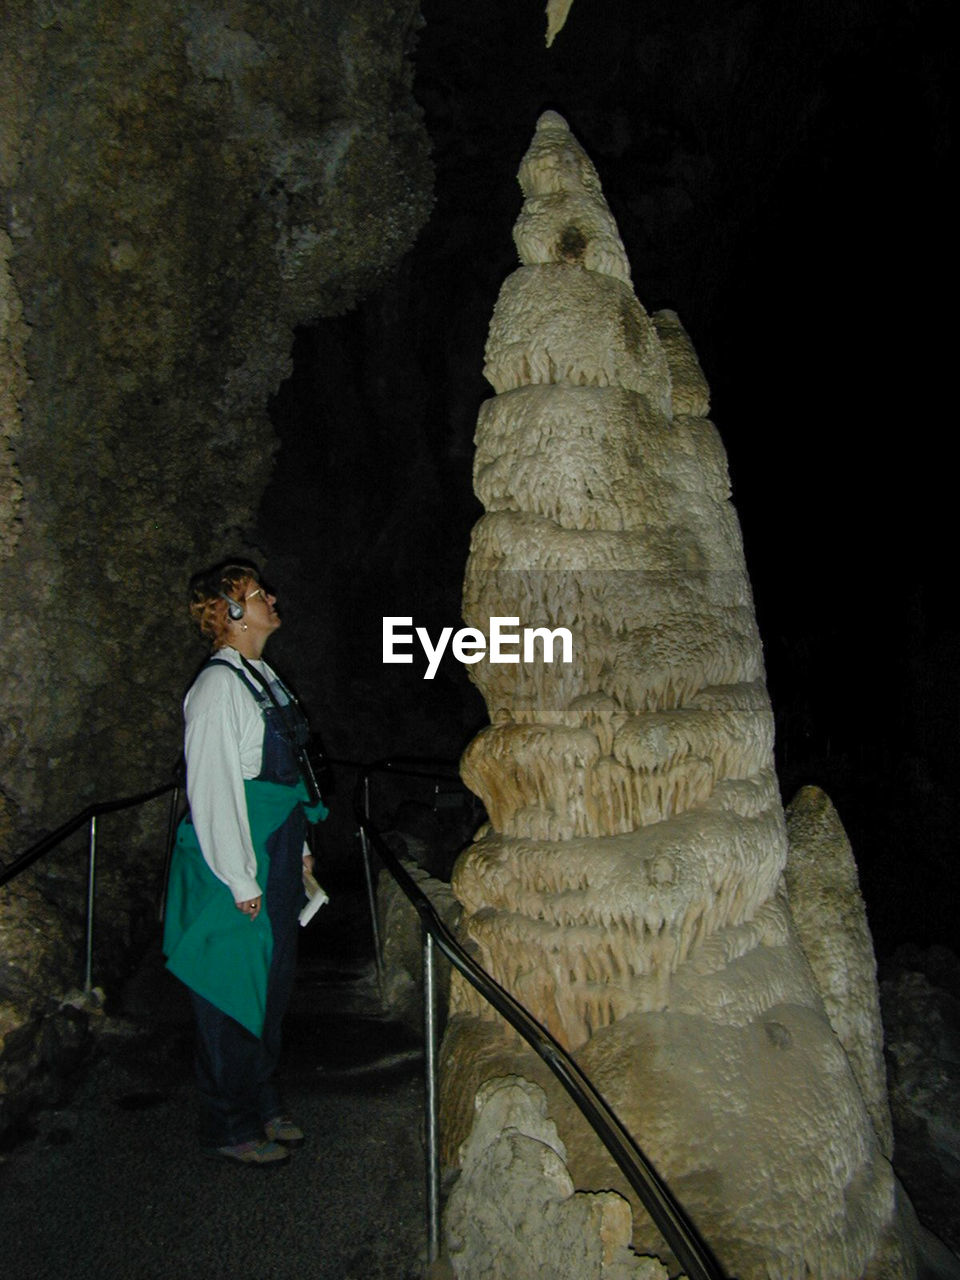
{"type": "Point", "coordinates": [208, 593]}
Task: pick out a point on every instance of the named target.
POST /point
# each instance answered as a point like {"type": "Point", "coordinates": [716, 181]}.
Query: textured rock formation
{"type": "Point", "coordinates": [629, 888]}
{"type": "Point", "coordinates": [514, 1212]}
{"type": "Point", "coordinates": [180, 184]}
{"type": "Point", "coordinates": [401, 940]}
{"type": "Point", "coordinates": [43, 1034]}
{"type": "Point", "coordinates": [557, 11]}
{"type": "Point", "coordinates": [921, 1013]}
{"type": "Point", "coordinates": [13, 381]}
{"type": "Point", "coordinates": [828, 911]}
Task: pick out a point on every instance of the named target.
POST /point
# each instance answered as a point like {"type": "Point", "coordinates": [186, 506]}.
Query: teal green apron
{"type": "Point", "coordinates": [215, 949]}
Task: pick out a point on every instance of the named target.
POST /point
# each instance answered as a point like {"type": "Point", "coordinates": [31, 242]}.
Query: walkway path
{"type": "Point", "coordinates": [111, 1185]}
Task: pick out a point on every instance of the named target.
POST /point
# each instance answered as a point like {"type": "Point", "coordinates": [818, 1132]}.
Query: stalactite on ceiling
{"type": "Point", "coordinates": [557, 11]}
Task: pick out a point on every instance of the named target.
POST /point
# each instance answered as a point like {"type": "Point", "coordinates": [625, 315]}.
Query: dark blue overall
{"type": "Point", "coordinates": [235, 1070]}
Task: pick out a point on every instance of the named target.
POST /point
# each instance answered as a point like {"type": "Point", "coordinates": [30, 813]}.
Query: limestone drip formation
{"type": "Point", "coordinates": [629, 888]}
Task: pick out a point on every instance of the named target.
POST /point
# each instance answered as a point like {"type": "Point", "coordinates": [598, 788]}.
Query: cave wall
{"type": "Point", "coordinates": [181, 184]}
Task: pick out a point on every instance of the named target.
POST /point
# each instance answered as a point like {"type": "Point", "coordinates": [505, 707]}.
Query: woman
{"type": "Point", "coordinates": [236, 878]}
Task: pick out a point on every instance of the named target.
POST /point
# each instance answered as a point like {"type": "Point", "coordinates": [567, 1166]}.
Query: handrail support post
{"type": "Point", "coordinates": [91, 891]}
{"type": "Point", "coordinates": [371, 894]}
{"type": "Point", "coordinates": [430, 1082]}
{"type": "Point", "coordinates": [168, 851]}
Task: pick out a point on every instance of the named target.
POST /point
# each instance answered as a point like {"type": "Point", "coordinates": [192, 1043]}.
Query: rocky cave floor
{"type": "Point", "coordinates": [112, 1183]}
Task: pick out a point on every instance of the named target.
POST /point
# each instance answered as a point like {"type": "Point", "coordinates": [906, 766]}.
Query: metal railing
{"type": "Point", "coordinates": [88, 817]}
{"type": "Point", "coordinates": [435, 771]}
{"type": "Point", "coordinates": [664, 1209]}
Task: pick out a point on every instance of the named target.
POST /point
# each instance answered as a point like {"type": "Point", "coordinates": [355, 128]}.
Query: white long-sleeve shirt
{"type": "Point", "coordinates": [223, 745]}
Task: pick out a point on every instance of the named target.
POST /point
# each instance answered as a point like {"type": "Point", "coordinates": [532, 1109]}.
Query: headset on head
{"type": "Point", "coordinates": [235, 609]}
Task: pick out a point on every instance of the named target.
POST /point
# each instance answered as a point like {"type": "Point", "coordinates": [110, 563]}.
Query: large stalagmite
{"type": "Point", "coordinates": [629, 888]}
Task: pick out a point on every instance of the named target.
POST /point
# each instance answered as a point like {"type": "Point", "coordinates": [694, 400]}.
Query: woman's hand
{"type": "Point", "coordinates": [308, 862]}
{"type": "Point", "coordinates": [251, 907]}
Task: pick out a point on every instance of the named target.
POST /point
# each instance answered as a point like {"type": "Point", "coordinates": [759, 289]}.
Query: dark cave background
{"type": "Point", "coordinates": [778, 176]}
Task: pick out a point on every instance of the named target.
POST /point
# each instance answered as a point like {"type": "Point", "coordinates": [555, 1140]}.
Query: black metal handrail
{"type": "Point", "coordinates": [48, 842]}
{"type": "Point", "coordinates": [88, 817]}
{"type": "Point", "coordinates": [664, 1209]}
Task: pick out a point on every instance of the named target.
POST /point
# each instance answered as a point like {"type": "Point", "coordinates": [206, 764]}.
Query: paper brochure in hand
{"type": "Point", "coordinates": [316, 897]}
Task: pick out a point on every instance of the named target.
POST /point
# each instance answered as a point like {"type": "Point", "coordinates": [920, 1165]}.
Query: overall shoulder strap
{"type": "Point", "coordinates": [219, 662]}
{"type": "Point", "coordinates": [296, 725]}
{"type": "Point", "coordinates": [267, 686]}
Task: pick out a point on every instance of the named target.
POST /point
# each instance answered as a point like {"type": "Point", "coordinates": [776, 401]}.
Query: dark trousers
{"type": "Point", "coordinates": [235, 1070]}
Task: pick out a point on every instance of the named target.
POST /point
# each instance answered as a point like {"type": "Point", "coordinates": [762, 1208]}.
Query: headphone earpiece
{"type": "Point", "coordinates": [234, 608]}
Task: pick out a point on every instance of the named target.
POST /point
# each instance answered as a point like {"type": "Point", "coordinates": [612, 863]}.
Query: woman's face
{"type": "Point", "coordinates": [260, 616]}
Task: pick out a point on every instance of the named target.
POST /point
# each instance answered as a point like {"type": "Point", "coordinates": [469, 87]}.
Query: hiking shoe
{"type": "Point", "coordinates": [257, 1152]}
{"type": "Point", "coordinates": [281, 1129]}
